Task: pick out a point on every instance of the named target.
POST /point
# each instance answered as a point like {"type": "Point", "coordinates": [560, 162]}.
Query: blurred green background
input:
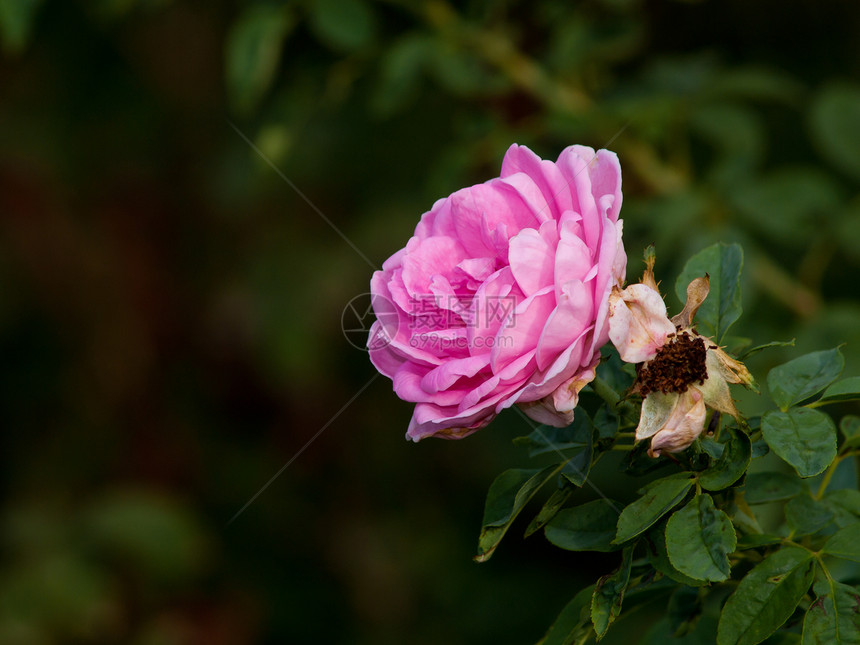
{"type": "Point", "coordinates": [170, 307]}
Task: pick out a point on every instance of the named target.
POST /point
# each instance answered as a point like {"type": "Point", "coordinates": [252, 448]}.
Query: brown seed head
{"type": "Point", "coordinates": [677, 365]}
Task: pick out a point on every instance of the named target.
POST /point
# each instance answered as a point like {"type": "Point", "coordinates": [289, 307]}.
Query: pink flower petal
{"type": "Point", "coordinates": [522, 328]}
{"type": "Point", "coordinates": [545, 174]}
{"type": "Point", "coordinates": [571, 317]}
{"type": "Point", "coordinates": [435, 255]}
{"type": "Point", "coordinates": [573, 258]}
{"type": "Point", "coordinates": [611, 268]}
{"type": "Point", "coordinates": [532, 260]}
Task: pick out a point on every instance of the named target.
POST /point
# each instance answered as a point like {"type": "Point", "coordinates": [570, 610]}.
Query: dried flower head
{"type": "Point", "coordinates": [679, 372]}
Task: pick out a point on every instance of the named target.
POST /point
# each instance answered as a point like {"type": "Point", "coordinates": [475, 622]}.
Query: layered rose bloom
{"type": "Point", "coordinates": [501, 295]}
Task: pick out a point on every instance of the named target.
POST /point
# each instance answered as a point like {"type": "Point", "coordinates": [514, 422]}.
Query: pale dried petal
{"type": "Point", "coordinates": [685, 424]}
{"type": "Point", "coordinates": [656, 411]}
{"type": "Point", "coordinates": [715, 389]}
{"type": "Point", "coordinates": [648, 277]}
{"type": "Point", "coordinates": [733, 370]}
{"type": "Point", "coordinates": [638, 325]}
{"type": "Point", "coordinates": [697, 291]}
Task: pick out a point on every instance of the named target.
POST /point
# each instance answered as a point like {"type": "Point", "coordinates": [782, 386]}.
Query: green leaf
{"type": "Point", "coordinates": [845, 543]}
{"type": "Point", "coordinates": [661, 633]}
{"type": "Point", "coordinates": [844, 476]}
{"type": "Point", "coordinates": [659, 557]}
{"type": "Point", "coordinates": [684, 610]}
{"type": "Point", "coordinates": [833, 618]}
{"type": "Point", "coordinates": [758, 348]}
{"type": "Point", "coordinates": [803, 438]}
{"type": "Point", "coordinates": [731, 465]}
{"type": "Point", "coordinates": [848, 389]}
{"type": "Point", "coordinates": [16, 23]}
{"type": "Point", "coordinates": [573, 624]}
{"type": "Point", "coordinates": [344, 25]}
{"type": "Point", "coordinates": [609, 594]}
{"type": "Point", "coordinates": [647, 588]}
{"type": "Point", "coordinates": [606, 421]}
{"type": "Point", "coordinates": [549, 510]}
{"type": "Point", "coordinates": [699, 538]}
{"type": "Point", "coordinates": [835, 122]}
{"type": "Point", "coordinates": [756, 540]}
{"type": "Point", "coordinates": [588, 527]}
{"type": "Point", "coordinates": [766, 597]}
{"type": "Point", "coordinates": [742, 515]}
{"type": "Point", "coordinates": [850, 426]}
{"type": "Point", "coordinates": [660, 497]}
{"type": "Point", "coordinates": [252, 53]}
{"type": "Point", "coordinates": [845, 505]}
{"type": "Point", "coordinates": [761, 488]}
{"type": "Point", "coordinates": [547, 439]}
{"type": "Point", "coordinates": [760, 448]}
{"type": "Point", "coordinates": [806, 516]}
{"type": "Point", "coordinates": [638, 462]}
{"type": "Point", "coordinates": [723, 263]}
{"type": "Point", "coordinates": [799, 379]}
{"type": "Point", "coordinates": [508, 495]}
{"type": "Point", "coordinates": [577, 468]}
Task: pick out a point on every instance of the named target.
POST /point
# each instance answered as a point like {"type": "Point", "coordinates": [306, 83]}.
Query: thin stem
{"type": "Point", "coordinates": [829, 475]}
{"type": "Point", "coordinates": [625, 447]}
{"type": "Point", "coordinates": [601, 388]}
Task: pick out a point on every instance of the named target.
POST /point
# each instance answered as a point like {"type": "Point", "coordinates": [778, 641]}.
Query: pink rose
{"type": "Point", "coordinates": [501, 296]}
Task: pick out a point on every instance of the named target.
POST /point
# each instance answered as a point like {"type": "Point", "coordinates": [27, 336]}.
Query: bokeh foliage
{"type": "Point", "coordinates": [170, 307]}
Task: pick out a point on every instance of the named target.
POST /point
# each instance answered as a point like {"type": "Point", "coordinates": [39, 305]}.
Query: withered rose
{"type": "Point", "coordinates": [680, 373]}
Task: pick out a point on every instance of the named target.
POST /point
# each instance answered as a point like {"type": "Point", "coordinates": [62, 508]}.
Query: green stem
{"type": "Point", "coordinates": [625, 447]}
{"type": "Point", "coordinates": [828, 476]}
{"type": "Point", "coordinates": [601, 388]}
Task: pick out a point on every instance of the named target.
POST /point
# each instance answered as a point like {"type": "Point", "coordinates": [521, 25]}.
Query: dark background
{"type": "Point", "coordinates": [170, 306]}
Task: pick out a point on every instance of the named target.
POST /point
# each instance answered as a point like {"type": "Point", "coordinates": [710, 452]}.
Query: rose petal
{"type": "Point", "coordinates": [435, 255]}
{"type": "Point", "coordinates": [573, 314]}
{"type": "Point", "coordinates": [482, 211]}
{"type": "Point", "coordinates": [532, 260]}
{"type": "Point", "coordinates": [715, 389]}
{"type": "Point", "coordinates": [573, 258]}
{"type": "Point", "coordinates": [522, 328]}
{"type": "Point", "coordinates": [606, 279]}
{"type": "Point", "coordinates": [638, 325]}
{"type": "Point", "coordinates": [684, 425]}
{"type": "Point", "coordinates": [545, 174]}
